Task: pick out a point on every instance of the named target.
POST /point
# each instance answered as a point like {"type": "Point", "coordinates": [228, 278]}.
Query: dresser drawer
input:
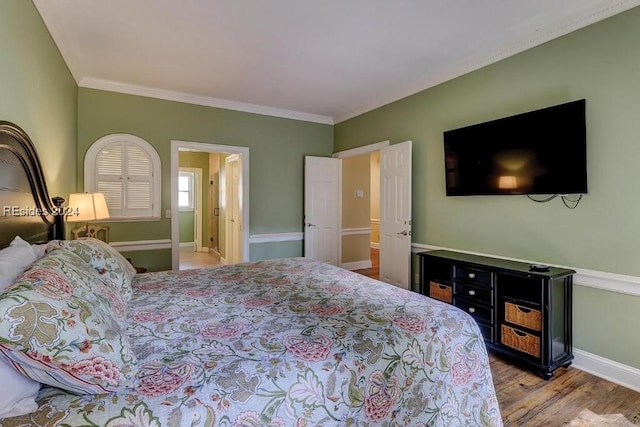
{"type": "Point", "coordinates": [441, 291]}
{"type": "Point", "coordinates": [472, 275]}
{"type": "Point", "coordinates": [523, 316]}
{"type": "Point", "coordinates": [471, 293]}
{"type": "Point", "coordinates": [477, 311]}
{"type": "Point", "coordinates": [520, 340]}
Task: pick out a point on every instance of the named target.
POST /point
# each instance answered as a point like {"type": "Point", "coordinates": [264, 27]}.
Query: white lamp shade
{"type": "Point", "coordinates": [87, 207]}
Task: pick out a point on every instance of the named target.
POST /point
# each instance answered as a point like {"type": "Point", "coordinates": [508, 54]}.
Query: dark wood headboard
{"type": "Point", "coordinates": [26, 210]}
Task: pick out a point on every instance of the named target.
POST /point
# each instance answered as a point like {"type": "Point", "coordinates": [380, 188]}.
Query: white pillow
{"type": "Point", "coordinates": [14, 260]}
{"type": "Point", "coordinates": [18, 392]}
{"type": "Point", "coordinates": [39, 250]}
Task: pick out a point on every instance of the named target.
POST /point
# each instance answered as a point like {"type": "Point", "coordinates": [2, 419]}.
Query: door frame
{"type": "Point", "coordinates": [197, 211]}
{"type": "Point", "coordinates": [361, 150]}
{"type": "Point", "coordinates": [365, 149]}
{"type": "Point", "coordinates": [176, 147]}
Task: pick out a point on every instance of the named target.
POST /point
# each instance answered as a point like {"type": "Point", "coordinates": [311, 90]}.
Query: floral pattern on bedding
{"type": "Point", "coordinates": [61, 325]}
{"type": "Point", "coordinates": [115, 270]}
{"type": "Point", "coordinates": [289, 343]}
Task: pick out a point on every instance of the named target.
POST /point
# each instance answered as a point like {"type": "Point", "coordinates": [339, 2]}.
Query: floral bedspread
{"type": "Point", "coordinates": [288, 342]}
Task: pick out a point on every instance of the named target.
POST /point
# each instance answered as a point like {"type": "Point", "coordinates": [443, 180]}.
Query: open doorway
{"type": "Point", "coordinates": [197, 239]}
{"type": "Point", "coordinates": [395, 213]}
{"type": "Point", "coordinates": [361, 213]}
{"type": "Point", "coordinates": [200, 231]}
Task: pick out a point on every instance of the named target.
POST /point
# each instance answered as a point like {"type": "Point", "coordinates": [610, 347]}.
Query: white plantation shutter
{"type": "Point", "coordinates": [127, 170]}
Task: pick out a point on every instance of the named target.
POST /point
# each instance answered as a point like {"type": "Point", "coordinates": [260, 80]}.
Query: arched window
{"type": "Point", "coordinates": [126, 169]}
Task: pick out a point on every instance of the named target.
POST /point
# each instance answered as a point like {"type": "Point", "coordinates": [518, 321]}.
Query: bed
{"type": "Point", "coordinates": [289, 342]}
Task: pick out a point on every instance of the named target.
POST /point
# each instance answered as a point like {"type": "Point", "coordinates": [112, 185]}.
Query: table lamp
{"type": "Point", "coordinates": [87, 207]}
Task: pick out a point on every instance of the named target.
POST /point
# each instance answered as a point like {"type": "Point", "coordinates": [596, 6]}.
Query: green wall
{"type": "Point", "coordinates": [187, 225]}
{"type": "Point", "coordinates": [38, 92]}
{"type": "Point", "coordinates": [277, 149]}
{"type": "Point", "coordinates": [600, 63]}
{"type": "Point", "coordinates": [155, 260]}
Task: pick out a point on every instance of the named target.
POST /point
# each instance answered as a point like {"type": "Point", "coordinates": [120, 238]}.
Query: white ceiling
{"type": "Point", "coordinates": [317, 60]}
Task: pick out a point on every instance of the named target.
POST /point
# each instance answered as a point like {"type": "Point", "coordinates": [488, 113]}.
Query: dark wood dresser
{"type": "Point", "coordinates": [524, 315]}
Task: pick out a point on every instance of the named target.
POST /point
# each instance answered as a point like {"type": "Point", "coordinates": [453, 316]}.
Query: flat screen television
{"type": "Point", "coordinates": [539, 152]}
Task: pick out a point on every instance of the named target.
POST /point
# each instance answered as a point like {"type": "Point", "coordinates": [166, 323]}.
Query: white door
{"type": "Point", "coordinates": [234, 209]}
{"type": "Point", "coordinates": [322, 209]}
{"type": "Point", "coordinates": [395, 214]}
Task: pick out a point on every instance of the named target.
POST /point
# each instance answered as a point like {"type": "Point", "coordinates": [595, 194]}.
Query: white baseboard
{"type": "Point", "coordinates": [356, 265]}
{"type": "Point", "coordinates": [610, 370]}
{"type": "Point", "coordinates": [214, 253]}
{"type": "Point", "coordinates": [223, 261]}
{"type": "Point", "coordinates": [187, 244]}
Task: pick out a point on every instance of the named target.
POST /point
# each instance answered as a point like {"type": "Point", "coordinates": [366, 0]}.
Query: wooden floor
{"type": "Point", "coordinates": [567, 399]}
{"type": "Point", "coordinates": [374, 271]}
{"type": "Point", "coordinates": [571, 398]}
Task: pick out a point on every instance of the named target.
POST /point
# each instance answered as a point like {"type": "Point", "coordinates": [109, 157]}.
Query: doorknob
{"type": "Point", "coordinates": [308, 224]}
{"type": "Point", "coordinates": [402, 233]}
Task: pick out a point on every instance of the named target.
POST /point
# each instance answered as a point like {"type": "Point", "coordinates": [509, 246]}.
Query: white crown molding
{"type": "Point", "coordinates": [77, 70]}
{"type": "Point", "coordinates": [486, 58]}
{"type": "Point", "coordinates": [188, 98]}
{"type": "Point", "coordinates": [598, 12]}
{"type": "Point", "coordinates": [612, 282]}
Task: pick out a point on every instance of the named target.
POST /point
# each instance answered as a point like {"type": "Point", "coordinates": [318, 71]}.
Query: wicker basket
{"type": "Point", "coordinates": [524, 316]}
{"type": "Point", "coordinates": [441, 292]}
{"type": "Point", "coordinates": [520, 340]}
